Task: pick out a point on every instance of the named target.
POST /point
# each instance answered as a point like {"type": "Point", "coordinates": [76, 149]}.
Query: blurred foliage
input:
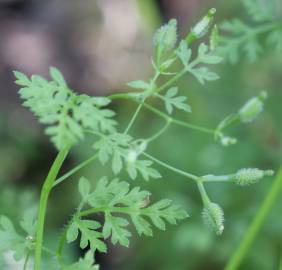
{"type": "Point", "coordinates": [25, 157]}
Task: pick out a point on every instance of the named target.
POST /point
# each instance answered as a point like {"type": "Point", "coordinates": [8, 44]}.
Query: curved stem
{"type": "Point", "coordinates": [160, 132]}
{"type": "Point", "coordinates": [169, 167]}
{"type": "Point", "coordinates": [203, 193]}
{"type": "Point", "coordinates": [46, 189]}
{"type": "Point", "coordinates": [75, 170]}
{"type": "Point", "coordinates": [178, 122]}
{"type": "Point", "coordinates": [256, 224]}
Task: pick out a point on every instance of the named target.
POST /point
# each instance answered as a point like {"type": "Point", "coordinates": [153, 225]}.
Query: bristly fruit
{"type": "Point", "coordinates": [250, 176]}
{"type": "Point", "coordinates": [213, 217]}
{"type": "Point", "coordinates": [252, 108]}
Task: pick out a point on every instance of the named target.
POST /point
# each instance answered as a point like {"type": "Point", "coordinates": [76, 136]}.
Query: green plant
{"type": "Point", "coordinates": [245, 39]}
{"type": "Point", "coordinates": [70, 117]}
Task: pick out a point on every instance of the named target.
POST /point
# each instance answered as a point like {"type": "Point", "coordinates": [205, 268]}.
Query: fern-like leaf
{"type": "Point", "coordinates": [65, 113]}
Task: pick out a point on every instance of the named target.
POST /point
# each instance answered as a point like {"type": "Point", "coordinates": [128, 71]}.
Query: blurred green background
{"type": "Point", "coordinates": [99, 46]}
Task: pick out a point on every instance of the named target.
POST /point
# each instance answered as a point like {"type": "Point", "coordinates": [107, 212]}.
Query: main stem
{"type": "Point", "coordinates": [46, 189]}
{"type": "Point", "coordinates": [256, 225]}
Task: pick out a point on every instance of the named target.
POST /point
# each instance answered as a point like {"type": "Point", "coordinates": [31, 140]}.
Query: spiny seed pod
{"type": "Point", "coordinates": [166, 36]}
{"type": "Point", "coordinates": [245, 177]}
{"type": "Point", "coordinates": [202, 27]}
{"type": "Point", "coordinates": [252, 108]}
{"type": "Point", "coordinates": [213, 217]}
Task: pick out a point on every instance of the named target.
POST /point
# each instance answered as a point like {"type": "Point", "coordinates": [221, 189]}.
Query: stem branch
{"type": "Point", "coordinates": [74, 170]}
{"type": "Point", "coordinates": [169, 167]}
{"type": "Point", "coordinates": [46, 189]}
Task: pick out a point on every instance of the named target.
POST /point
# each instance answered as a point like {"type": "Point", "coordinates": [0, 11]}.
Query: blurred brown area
{"type": "Point", "coordinates": [98, 45]}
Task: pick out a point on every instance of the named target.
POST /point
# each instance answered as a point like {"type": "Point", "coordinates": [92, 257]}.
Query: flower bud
{"type": "Point", "coordinates": [131, 156]}
{"type": "Point", "coordinates": [213, 217]}
{"type": "Point", "coordinates": [202, 27]}
{"type": "Point", "coordinates": [166, 36]}
{"type": "Point", "coordinates": [227, 141]}
{"type": "Point", "coordinates": [252, 108]}
{"type": "Point", "coordinates": [250, 176]}
{"type": "Point", "coordinates": [138, 148]}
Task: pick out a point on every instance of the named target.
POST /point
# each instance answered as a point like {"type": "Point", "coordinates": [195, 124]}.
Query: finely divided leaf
{"type": "Point", "coordinates": [124, 151]}
{"type": "Point", "coordinates": [184, 53]}
{"type": "Point", "coordinates": [116, 197]}
{"type": "Point", "coordinates": [115, 227]}
{"type": "Point", "coordinates": [172, 101]}
{"type": "Point", "coordinates": [10, 240]}
{"type": "Point", "coordinates": [89, 234]}
{"type": "Point", "coordinates": [65, 113]}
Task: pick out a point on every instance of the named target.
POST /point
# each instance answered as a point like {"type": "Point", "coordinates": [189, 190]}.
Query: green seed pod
{"type": "Point", "coordinates": [252, 108]}
{"type": "Point", "coordinates": [202, 27]}
{"type": "Point", "coordinates": [166, 36]}
{"type": "Point", "coordinates": [245, 177]}
{"type": "Point", "coordinates": [213, 217]}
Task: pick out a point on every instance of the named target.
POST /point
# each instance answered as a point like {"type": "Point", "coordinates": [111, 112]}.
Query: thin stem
{"type": "Point", "coordinates": [133, 118]}
{"type": "Point", "coordinates": [26, 261]}
{"type": "Point", "coordinates": [171, 168]}
{"type": "Point", "coordinates": [230, 178]}
{"type": "Point", "coordinates": [203, 193]}
{"type": "Point", "coordinates": [63, 239]}
{"type": "Point", "coordinates": [164, 115]}
{"type": "Point", "coordinates": [59, 252]}
{"type": "Point", "coordinates": [178, 122]}
{"type": "Point", "coordinates": [47, 250]}
{"type": "Point", "coordinates": [75, 170]}
{"type": "Point", "coordinates": [121, 210]}
{"type": "Point", "coordinates": [171, 81]}
{"type": "Point", "coordinates": [159, 133]}
{"type": "Point", "coordinates": [46, 189]}
{"type": "Point", "coordinates": [256, 224]}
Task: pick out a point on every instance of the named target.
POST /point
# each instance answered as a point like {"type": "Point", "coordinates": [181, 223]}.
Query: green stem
{"type": "Point", "coordinates": [163, 115]}
{"type": "Point", "coordinates": [230, 178]}
{"type": "Point", "coordinates": [203, 193]}
{"type": "Point", "coordinates": [63, 239]}
{"type": "Point", "coordinates": [46, 189]}
{"type": "Point", "coordinates": [171, 81]}
{"type": "Point", "coordinates": [133, 118]}
{"type": "Point", "coordinates": [178, 122]}
{"type": "Point", "coordinates": [256, 224]}
{"type": "Point", "coordinates": [75, 170]}
{"type": "Point", "coordinates": [26, 261]}
{"type": "Point", "coordinates": [159, 133]}
{"type": "Point", "coordinates": [113, 209]}
{"type": "Point", "coordinates": [171, 168]}
{"type": "Point", "coordinates": [47, 250]}
{"type": "Point", "coordinates": [59, 252]}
